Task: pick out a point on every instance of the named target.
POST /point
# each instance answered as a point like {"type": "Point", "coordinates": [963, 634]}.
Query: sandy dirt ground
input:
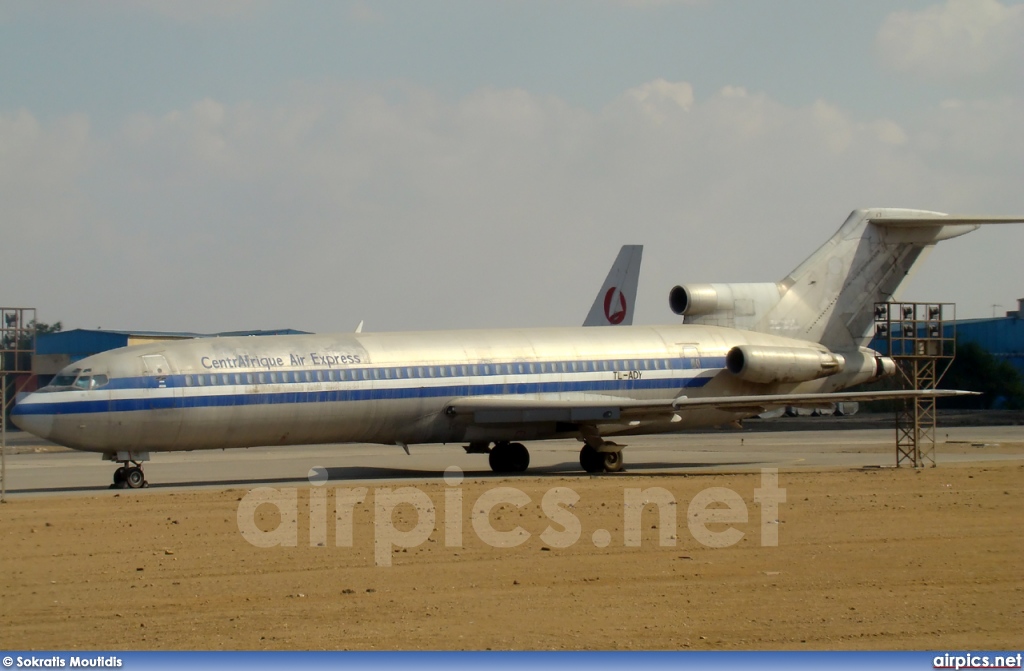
{"type": "Point", "coordinates": [866, 559]}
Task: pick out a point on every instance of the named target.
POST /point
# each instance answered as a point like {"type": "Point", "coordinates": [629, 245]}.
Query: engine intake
{"type": "Point", "coordinates": [693, 300]}
{"type": "Point", "coordinates": [766, 365]}
{"type": "Point", "coordinates": [745, 302]}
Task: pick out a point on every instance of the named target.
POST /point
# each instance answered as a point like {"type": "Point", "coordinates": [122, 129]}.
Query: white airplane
{"type": "Point", "coordinates": [746, 348]}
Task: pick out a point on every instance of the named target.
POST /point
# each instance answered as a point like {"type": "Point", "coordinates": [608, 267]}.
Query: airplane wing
{"type": "Point", "coordinates": [615, 301]}
{"type": "Point", "coordinates": [591, 408]}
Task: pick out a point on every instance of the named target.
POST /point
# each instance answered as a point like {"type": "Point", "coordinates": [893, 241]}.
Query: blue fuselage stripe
{"type": "Point", "coordinates": [344, 395]}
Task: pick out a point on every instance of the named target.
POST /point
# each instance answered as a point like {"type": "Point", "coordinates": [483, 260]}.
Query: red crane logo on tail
{"type": "Point", "coordinates": [618, 316]}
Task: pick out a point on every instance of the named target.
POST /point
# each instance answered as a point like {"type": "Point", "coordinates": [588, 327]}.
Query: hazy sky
{"type": "Point", "coordinates": [201, 165]}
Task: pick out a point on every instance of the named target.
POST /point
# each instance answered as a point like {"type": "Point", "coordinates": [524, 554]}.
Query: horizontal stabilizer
{"type": "Point", "coordinates": [949, 220]}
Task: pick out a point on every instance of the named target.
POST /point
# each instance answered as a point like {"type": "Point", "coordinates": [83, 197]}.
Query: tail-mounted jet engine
{"type": "Point", "coordinates": [769, 365]}
{"type": "Point", "coordinates": [735, 305]}
{"type": "Point", "coordinates": [765, 365]}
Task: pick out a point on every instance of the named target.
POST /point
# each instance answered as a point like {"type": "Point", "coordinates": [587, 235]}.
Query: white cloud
{"type": "Point", "coordinates": [501, 208]}
{"type": "Point", "coordinates": [959, 39]}
{"type": "Point", "coordinates": [661, 99]}
{"type": "Point", "coordinates": [985, 133]}
{"type": "Point", "coordinates": [41, 169]}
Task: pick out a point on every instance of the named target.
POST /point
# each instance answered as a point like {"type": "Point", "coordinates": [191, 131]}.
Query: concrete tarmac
{"type": "Point", "coordinates": [37, 468]}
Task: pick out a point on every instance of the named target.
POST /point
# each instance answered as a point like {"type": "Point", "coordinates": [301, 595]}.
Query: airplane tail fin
{"type": "Point", "coordinates": [829, 298]}
{"type": "Point", "coordinates": [616, 301]}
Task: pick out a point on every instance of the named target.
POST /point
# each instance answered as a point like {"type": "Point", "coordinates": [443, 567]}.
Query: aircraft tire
{"type": "Point", "coordinates": [520, 457]}
{"type": "Point", "coordinates": [612, 461]}
{"type": "Point", "coordinates": [497, 458]}
{"type": "Point", "coordinates": [119, 476]}
{"type": "Point", "coordinates": [591, 460]}
{"type": "Point", "coordinates": [509, 458]}
{"type": "Point", "coordinates": [134, 478]}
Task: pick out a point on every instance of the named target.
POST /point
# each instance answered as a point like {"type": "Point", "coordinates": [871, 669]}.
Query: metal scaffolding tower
{"type": "Point", "coordinates": [923, 349]}
{"type": "Point", "coordinates": [17, 345]}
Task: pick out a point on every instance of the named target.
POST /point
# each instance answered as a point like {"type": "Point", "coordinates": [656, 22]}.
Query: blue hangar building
{"type": "Point", "coordinates": [1002, 337]}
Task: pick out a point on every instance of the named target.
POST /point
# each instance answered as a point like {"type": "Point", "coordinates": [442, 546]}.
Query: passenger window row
{"type": "Point", "coordinates": [426, 372]}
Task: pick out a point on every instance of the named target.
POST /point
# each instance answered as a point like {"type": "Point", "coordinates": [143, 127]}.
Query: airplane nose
{"type": "Point", "coordinates": [37, 424]}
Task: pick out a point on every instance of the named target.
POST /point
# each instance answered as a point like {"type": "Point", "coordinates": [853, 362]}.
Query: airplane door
{"type": "Point", "coordinates": [691, 356]}
{"type": "Point", "coordinates": [162, 398]}
{"type": "Point", "coordinates": [157, 369]}
{"type": "Point", "coordinates": [155, 366]}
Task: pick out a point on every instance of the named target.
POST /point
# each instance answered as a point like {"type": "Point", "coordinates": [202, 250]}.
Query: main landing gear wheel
{"type": "Point", "coordinates": [134, 478]}
{"type": "Point", "coordinates": [593, 461]}
{"type": "Point", "coordinates": [509, 458]}
{"type": "Point", "coordinates": [131, 477]}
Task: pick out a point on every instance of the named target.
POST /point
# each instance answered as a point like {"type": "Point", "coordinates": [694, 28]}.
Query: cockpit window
{"type": "Point", "coordinates": [63, 381]}
{"type": "Point", "coordinates": [79, 379]}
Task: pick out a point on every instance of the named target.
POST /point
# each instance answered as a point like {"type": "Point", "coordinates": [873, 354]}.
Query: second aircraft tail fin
{"type": "Point", "coordinates": [616, 301]}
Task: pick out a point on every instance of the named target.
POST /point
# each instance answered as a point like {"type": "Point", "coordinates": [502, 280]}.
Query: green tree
{"type": "Point", "coordinates": [972, 369]}
{"type": "Point", "coordinates": [41, 328]}
{"type": "Point", "coordinates": [975, 369]}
